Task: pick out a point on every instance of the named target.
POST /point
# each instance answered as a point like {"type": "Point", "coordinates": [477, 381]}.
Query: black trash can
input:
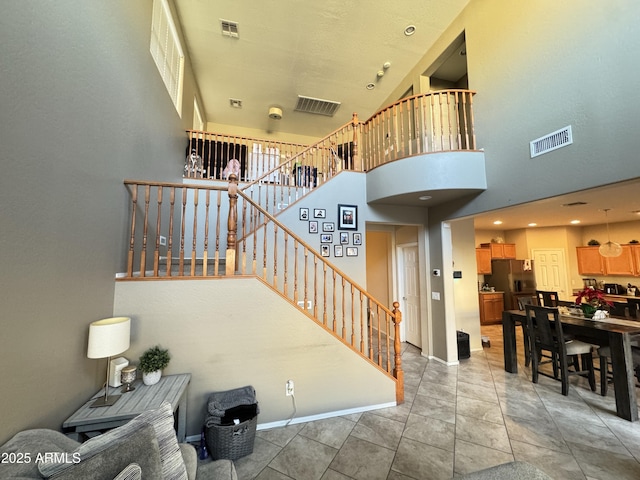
{"type": "Point", "coordinates": [464, 348]}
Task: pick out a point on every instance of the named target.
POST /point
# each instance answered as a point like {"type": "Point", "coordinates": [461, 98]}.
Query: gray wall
{"type": "Point", "coordinates": [82, 108]}
{"type": "Point", "coordinates": [224, 341]}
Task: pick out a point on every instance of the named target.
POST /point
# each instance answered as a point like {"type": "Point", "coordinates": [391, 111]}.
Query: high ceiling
{"type": "Point", "coordinates": [325, 50]}
{"type": "Point", "coordinates": [331, 51]}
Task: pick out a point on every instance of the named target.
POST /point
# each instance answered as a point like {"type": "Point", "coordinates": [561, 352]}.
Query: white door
{"type": "Point", "coordinates": [550, 270]}
{"type": "Point", "coordinates": [410, 291]}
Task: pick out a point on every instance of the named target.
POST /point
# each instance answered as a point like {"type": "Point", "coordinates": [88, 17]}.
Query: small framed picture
{"type": "Point", "coordinates": [347, 217]}
{"type": "Point", "coordinates": [337, 250]}
{"type": "Point", "coordinates": [326, 238]}
{"type": "Point", "coordinates": [319, 213]}
{"type": "Point", "coordinates": [328, 226]}
{"type": "Point", "coordinates": [304, 214]}
{"type": "Point", "coordinates": [344, 238]}
{"type": "Point", "coordinates": [313, 226]}
{"type": "Point", "coordinates": [325, 250]}
{"type": "Point", "coordinates": [352, 251]}
{"type": "Point", "coordinates": [357, 239]}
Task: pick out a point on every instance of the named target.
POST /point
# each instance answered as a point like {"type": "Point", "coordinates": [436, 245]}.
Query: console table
{"type": "Point", "coordinates": [170, 388]}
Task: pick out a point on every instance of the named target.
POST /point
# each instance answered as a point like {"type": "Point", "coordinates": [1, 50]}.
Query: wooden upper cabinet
{"type": "Point", "coordinates": [501, 250]}
{"type": "Point", "coordinates": [590, 262]}
{"type": "Point", "coordinates": [483, 260]}
{"type": "Point", "coordinates": [622, 265]}
{"type": "Point", "coordinates": [635, 252]}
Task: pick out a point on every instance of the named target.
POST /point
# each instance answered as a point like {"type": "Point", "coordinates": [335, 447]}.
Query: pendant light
{"type": "Point", "coordinates": [609, 249]}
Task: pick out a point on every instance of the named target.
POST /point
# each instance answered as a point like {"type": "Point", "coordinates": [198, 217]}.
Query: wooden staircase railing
{"type": "Point", "coordinates": [188, 240]}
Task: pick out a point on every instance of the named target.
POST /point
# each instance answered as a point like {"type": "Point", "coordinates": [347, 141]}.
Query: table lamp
{"type": "Point", "coordinates": [108, 337]}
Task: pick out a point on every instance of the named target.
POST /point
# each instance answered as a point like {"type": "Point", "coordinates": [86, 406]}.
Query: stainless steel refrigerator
{"type": "Point", "coordinates": [513, 277]}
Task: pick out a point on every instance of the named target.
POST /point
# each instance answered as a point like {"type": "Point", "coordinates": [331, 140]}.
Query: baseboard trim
{"type": "Point", "coordinates": [310, 418]}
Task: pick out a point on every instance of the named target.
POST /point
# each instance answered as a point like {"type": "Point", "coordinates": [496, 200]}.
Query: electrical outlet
{"type": "Point", "coordinates": [289, 388]}
{"type": "Point", "coordinates": [163, 240]}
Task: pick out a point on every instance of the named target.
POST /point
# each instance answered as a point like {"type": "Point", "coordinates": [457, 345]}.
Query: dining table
{"type": "Point", "coordinates": [614, 332]}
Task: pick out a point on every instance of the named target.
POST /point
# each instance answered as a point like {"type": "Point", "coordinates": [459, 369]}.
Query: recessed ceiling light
{"type": "Point", "coordinates": [425, 197]}
{"type": "Point", "coordinates": [498, 222]}
{"type": "Point", "coordinates": [371, 86]}
{"type": "Point", "coordinates": [533, 225]}
{"type": "Point", "coordinates": [574, 222]}
{"type": "Point", "coordinates": [410, 30]}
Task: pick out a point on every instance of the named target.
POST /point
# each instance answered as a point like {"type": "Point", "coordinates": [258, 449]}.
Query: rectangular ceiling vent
{"type": "Point", "coordinates": [235, 102]}
{"type": "Point", "coordinates": [229, 28]}
{"type": "Point", "coordinates": [553, 141]}
{"type": "Point", "coordinates": [316, 106]}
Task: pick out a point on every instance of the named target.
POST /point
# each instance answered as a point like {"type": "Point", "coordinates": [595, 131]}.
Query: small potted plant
{"type": "Point", "coordinates": [152, 362]}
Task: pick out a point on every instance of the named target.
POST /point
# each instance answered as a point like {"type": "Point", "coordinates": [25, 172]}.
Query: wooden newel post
{"type": "Point", "coordinates": [232, 226]}
{"type": "Point", "coordinates": [397, 369]}
{"type": "Point", "coordinates": [356, 155]}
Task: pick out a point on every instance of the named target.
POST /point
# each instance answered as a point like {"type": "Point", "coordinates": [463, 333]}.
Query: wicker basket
{"type": "Point", "coordinates": [231, 441]}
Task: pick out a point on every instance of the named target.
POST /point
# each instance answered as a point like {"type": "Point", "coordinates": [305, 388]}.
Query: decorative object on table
{"type": "Point", "coordinates": [193, 164]}
{"type": "Point", "coordinates": [591, 299]}
{"type": "Point", "coordinates": [593, 243]}
{"type": "Point", "coordinates": [117, 364]}
{"type": "Point", "coordinates": [609, 249]}
{"type": "Point", "coordinates": [128, 377]}
{"type": "Point", "coordinates": [108, 337]}
{"type": "Point", "coordinates": [347, 217]}
{"type": "Point", "coordinates": [152, 362]}
{"type": "Point", "coordinates": [634, 241]}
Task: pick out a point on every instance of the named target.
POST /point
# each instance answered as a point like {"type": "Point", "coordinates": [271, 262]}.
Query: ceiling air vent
{"type": "Point", "coordinates": [235, 102]}
{"type": "Point", "coordinates": [316, 106]}
{"type": "Point", "coordinates": [553, 141]}
{"type": "Point", "coordinates": [229, 28]}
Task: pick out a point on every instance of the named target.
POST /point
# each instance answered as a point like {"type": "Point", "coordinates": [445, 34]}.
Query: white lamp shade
{"type": "Point", "coordinates": [108, 337]}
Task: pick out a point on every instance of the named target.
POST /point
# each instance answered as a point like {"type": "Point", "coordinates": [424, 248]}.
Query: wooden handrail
{"type": "Point", "coordinates": [320, 290]}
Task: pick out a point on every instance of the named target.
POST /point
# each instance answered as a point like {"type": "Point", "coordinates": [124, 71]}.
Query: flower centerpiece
{"type": "Point", "coordinates": [591, 299]}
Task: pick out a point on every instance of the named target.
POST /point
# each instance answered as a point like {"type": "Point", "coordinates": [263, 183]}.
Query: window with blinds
{"type": "Point", "coordinates": [167, 51]}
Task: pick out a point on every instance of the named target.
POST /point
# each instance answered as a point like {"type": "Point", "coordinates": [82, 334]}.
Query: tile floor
{"type": "Point", "coordinates": [457, 420]}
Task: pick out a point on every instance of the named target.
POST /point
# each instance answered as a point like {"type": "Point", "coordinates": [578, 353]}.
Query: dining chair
{"type": "Point", "coordinates": [522, 302]}
{"type": "Point", "coordinates": [546, 298]}
{"type": "Point", "coordinates": [627, 309]}
{"type": "Point", "coordinates": [634, 308]}
{"type": "Point", "coordinates": [546, 334]}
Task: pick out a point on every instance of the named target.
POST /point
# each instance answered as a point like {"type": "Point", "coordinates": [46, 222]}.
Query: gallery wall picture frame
{"type": "Point", "coordinates": [357, 239]}
{"type": "Point", "coordinates": [344, 238]}
{"type": "Point", "coordinates": [313, 226]}
{"type": "Point", "coordinates": [352, 251]}
{"type": "Point", "coordinates": [325, 250]}
{"type": "Point", "coordinates": [326, 238]}
{"type": "Point", "coordinates": [328, 226]}
{"type": "Point", "coordinates": [304, 214]}
{"type": "Point", "coordinates": [337, 250]}
{"type": "Point", "coordinates": [319, 213]}
{"type": "Point", "coordinates": [347, 217]}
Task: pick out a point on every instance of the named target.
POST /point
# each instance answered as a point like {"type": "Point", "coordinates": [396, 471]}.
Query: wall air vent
{"type": "Point", "coordinates": [553, 141]}
{"type": "Point", "coordinates": [229, 28]}
{"type": "Point", "coordinates": [316, 106]}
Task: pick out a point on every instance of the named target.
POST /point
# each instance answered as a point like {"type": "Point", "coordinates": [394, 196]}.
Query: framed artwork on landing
{"type": "Point", "coordinates": [328, 226]}
{"type": "Point", "coordinates": [337, 250]}
{"type": "Point", "coordinates": [344, 238]}
{"type": "Point", "coordinates": [326, 238]}
{"type": "Point", "coordinates": [313, 226]}
{"type": "Point", "coordinates": [347, 217]}
{"type": "Point", "coordinates": [357, 239]}
{"type": "Point", "coordinates": [352, 251]}
{"type": "Point", "coordinates": [319, 213]}
{"type": "Point", "coordinates": [304, 214]}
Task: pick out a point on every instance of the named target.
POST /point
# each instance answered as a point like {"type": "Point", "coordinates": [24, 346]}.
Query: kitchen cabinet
{"type": "Point", "coordinates": [590, 262]}
{"type": "Point", "coordinates": [501, 250]}
{"type": "Point", "coordinates": [622, 265]}
{"type": "Point", "coordinates": [483, 261]}
{"type": "Point", "coordinates": [491, 307]}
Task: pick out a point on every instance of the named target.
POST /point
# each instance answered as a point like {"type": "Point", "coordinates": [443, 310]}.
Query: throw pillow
{"type": "Point", "coordinates": [173, 467]}
{"type": "Point", "coordinates": [141, 448]}
{"type": "Point", "coordinates": [131, 472]}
